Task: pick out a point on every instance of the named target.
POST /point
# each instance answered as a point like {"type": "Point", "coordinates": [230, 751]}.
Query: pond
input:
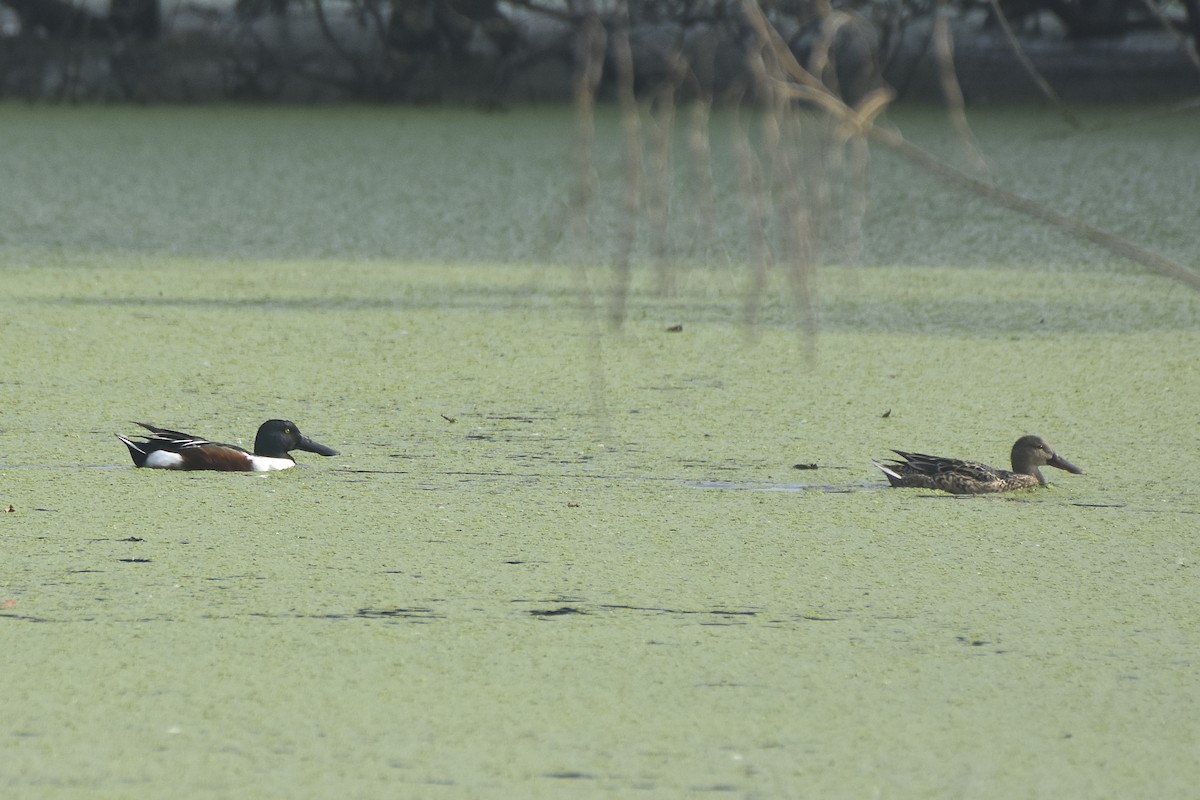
{"type": "Point", "coordinates": [558, 558]}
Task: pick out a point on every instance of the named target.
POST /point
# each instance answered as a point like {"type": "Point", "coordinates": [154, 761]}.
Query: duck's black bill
{"type": "Point", "coordinates": [1062, 463]}
{"type": "Point", "coordinates": [315, 447]}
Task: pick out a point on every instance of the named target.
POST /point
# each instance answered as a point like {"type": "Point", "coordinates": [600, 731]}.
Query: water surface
{"type": "Point", "coordinates": [555, 559]}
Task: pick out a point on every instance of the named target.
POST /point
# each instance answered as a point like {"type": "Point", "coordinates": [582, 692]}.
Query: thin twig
{"type": "Point", "coordinates": [1026, 64]}
{"type": "Point", "coordinates": [631, 129]}
{"type": "Point", "coordinates": [922, 158]}
{"type": "Point", "coordinates": [589, 58]}
{"type": "Point", "coordinates": [1188, 45]}
{"type": "Point", "coordinates": [943, 48]}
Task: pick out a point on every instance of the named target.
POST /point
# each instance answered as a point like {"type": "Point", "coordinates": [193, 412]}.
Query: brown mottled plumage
{"type": "Point", "coordinates": [918, 470]}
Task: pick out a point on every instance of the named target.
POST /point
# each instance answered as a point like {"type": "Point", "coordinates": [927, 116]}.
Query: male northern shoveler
{"type": "Point", "coordinates": [167, 449]}
{"type": "Point", "coordinates": [969, 477]}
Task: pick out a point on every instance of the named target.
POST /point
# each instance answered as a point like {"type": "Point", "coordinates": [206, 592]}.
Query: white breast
{"type": "Point", "coordinates": [265, 464]}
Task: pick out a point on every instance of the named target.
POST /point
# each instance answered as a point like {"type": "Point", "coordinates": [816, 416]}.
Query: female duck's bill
{"type": "Point", "coordinates": [917, 470]}
{"type": "Point", "coordinates": [168, 449]}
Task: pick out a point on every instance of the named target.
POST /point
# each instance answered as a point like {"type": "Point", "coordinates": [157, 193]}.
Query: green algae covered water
{"type": "Point", "coordinates": [558, 560]}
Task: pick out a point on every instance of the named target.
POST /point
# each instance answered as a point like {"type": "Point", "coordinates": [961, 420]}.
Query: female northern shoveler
{"type": "Point", "coordinates": [970, 477]}
{"type": "Point", "coordinates": [167, 449]}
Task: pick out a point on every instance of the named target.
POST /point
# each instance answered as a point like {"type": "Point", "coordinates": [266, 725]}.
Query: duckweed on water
{"type": "Point", "coordinates": [527, 571]}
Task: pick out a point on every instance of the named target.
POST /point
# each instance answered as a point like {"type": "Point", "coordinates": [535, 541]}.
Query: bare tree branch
{"type": "Point", "coordinates": [806, 86]}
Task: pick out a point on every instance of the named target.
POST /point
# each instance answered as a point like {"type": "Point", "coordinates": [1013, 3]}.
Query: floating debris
{"type": "Point", "coordinates": [555, 612]}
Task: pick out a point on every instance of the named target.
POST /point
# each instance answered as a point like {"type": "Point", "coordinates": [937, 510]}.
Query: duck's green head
{"type": "Point", "coordinates": [277, 437]}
